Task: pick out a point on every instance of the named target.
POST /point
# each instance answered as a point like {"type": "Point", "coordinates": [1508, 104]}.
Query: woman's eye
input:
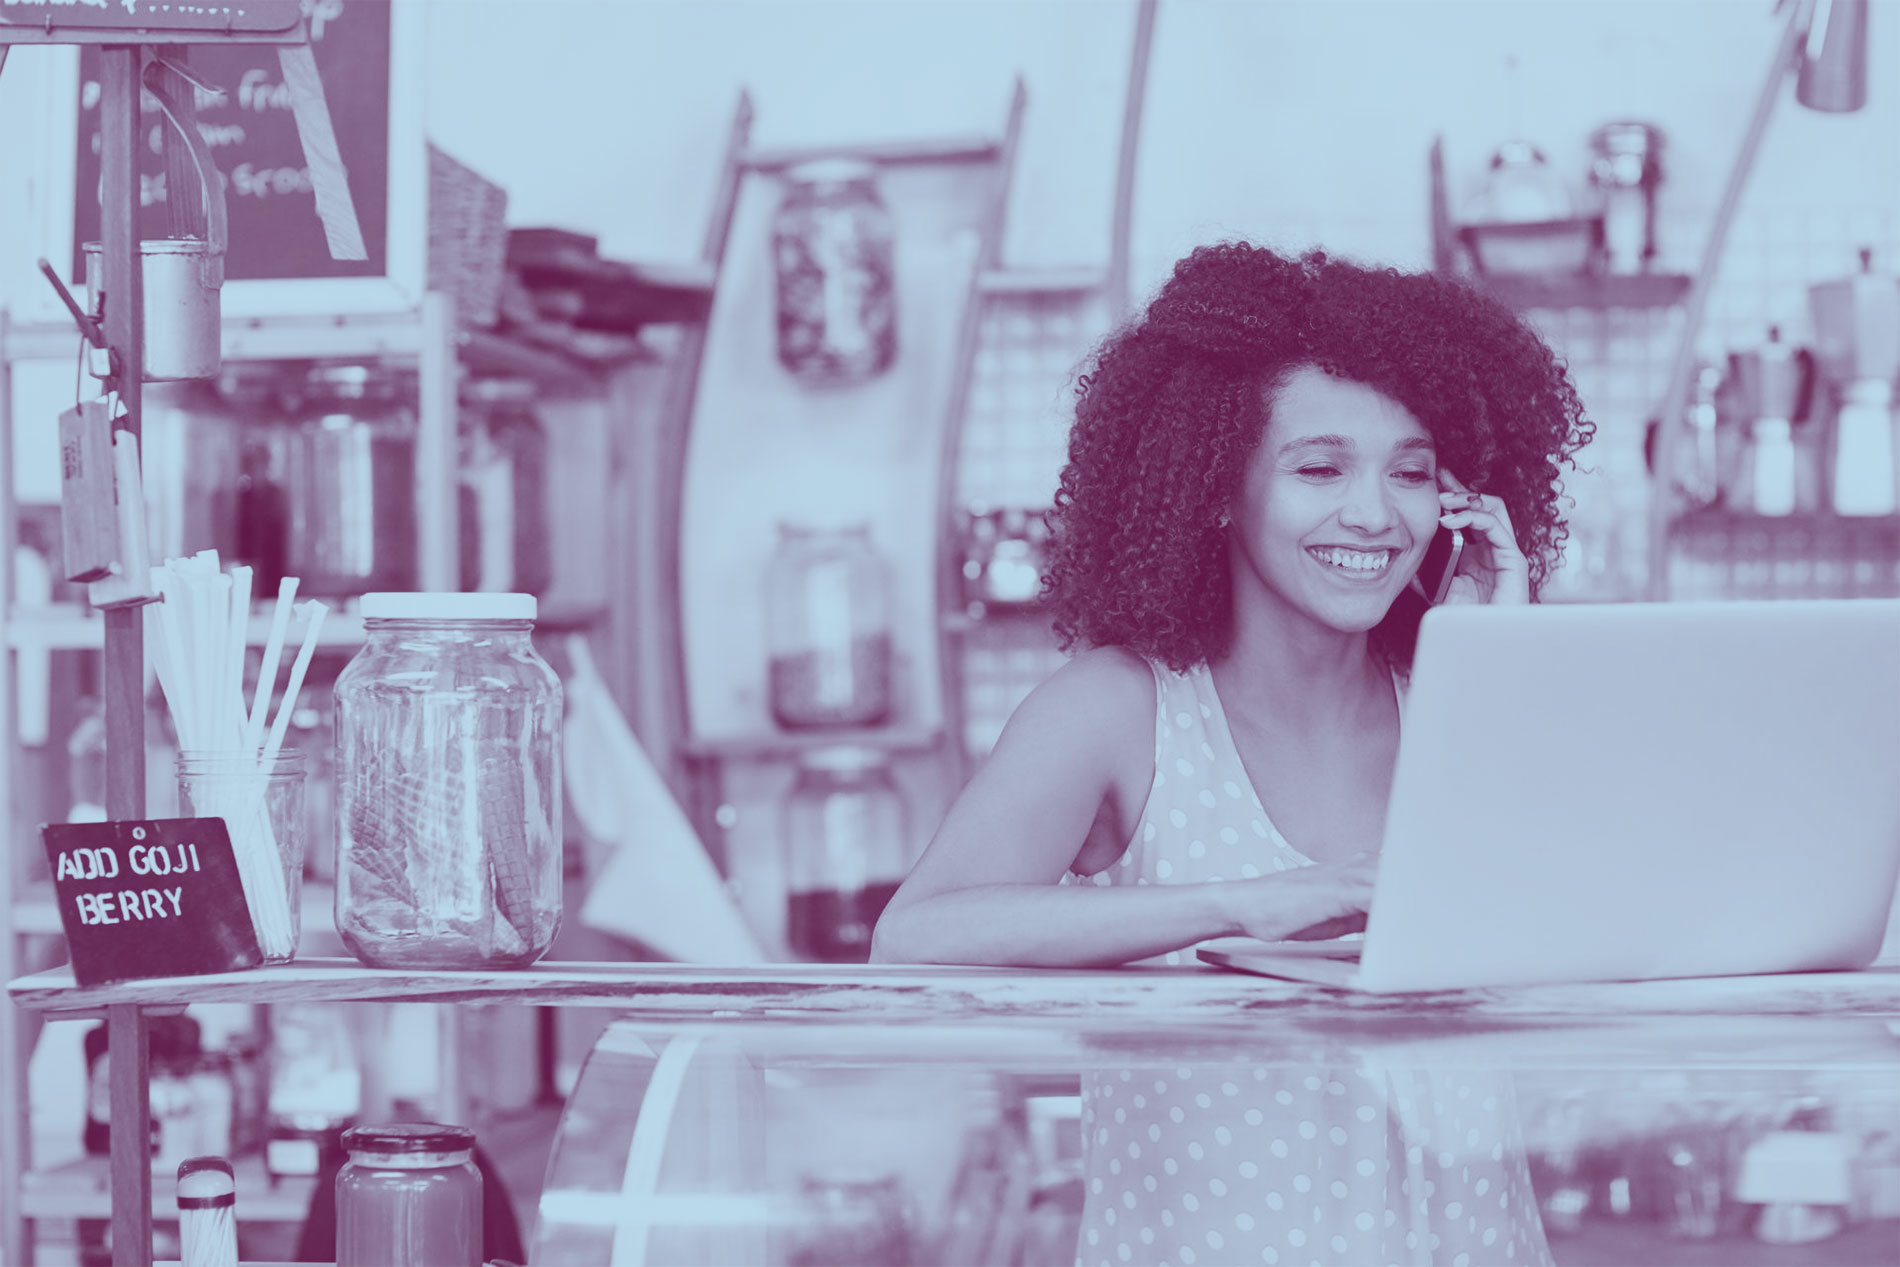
{"type": "Point", "coordinates": [1319, 470]}
{"type": "Point", "coordinates": [1414, 477]}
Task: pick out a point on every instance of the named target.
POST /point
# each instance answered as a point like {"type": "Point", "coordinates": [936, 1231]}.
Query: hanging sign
{"type": "Point", "coordinates": [153, 898]}
{"type": "Point", "coordinates": [144, 21]}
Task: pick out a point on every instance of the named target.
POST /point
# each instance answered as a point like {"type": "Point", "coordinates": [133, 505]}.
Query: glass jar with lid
{"type": "Point", "coordinates": [410, 1195]}
{"type": "Point", "coordinates": [846, 851]}
{"type": "Point", "coordinates": [832, 244]}
{"type": "Point", "coordinates": [448, 732]}
{"type": "Point", "coordinates": [828, 628]}
{"type": "Point", "coordinates": [353, 481]}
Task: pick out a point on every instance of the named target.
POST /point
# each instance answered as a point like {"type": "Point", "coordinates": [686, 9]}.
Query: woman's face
{"type": "Point", "coordinates": [1338, 504]}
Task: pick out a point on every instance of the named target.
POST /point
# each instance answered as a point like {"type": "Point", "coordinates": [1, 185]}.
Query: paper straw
{"type": "Point", "coordinates": [267, 669]}
{"type": "Point", "coordinates": [314, 612]}
{"type": "Point", "coordinates": [172, 619]}
{"type": "Point", "coordinates": [231, 687]}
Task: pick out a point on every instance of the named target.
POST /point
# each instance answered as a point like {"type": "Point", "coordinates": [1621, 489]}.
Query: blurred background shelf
{"type": "Point", "coordinates": [779, 745]}
{"type": "Point", "coordinates": [70, 627]}
{"type": "Point", "coordinates": [82, 1189]}
{"type": "Point", "coordinates": [1586, 290]}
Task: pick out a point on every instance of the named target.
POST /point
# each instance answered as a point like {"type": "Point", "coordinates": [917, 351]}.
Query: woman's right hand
{"type": "Point", "coordinates": [1310, 904]}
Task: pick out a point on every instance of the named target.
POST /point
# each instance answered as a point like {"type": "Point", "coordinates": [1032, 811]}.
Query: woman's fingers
{"type": "Point", "coordinates": [1492, 561]}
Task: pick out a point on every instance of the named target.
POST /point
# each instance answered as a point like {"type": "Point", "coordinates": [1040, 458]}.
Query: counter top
{"type": "Point", "coordinates": [1799, 1018]}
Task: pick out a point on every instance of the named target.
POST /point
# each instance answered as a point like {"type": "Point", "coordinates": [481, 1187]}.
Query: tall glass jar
{"type": "Point", "coordinates": [828, 628]}
{"type": "Point", "coordinates": [448, 733]}
{"type": "Point", "coordinates": [832, 243]}
{"type": "Point", "coordinates": [410, 1195]}
{"type": "Point", "coordinates": [353, 482]}
{"type": "Point", "coordinates": [846, 845]}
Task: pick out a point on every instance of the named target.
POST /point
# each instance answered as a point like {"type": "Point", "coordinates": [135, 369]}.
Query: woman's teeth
{"type": "Point", "coordinates": [1355, 562]}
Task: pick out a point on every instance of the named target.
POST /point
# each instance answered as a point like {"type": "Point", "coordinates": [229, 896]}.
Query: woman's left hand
{"type": "Point", "coordinates": [1492, 568]}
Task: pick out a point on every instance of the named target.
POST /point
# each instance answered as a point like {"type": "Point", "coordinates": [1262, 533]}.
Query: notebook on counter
{"type": "Point", "coordinates": [1629, 792]}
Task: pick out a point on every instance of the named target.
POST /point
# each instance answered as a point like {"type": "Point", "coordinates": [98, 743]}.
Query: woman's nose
{"type": "Point", "coordinates": [1368, 507]}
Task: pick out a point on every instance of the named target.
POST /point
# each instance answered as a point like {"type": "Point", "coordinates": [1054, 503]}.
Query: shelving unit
{"type": "Point", "coordinates": [424, 338]}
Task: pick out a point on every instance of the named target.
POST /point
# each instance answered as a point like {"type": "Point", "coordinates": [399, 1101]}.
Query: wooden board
{"type": "Point", "coordinates": [764, 448]}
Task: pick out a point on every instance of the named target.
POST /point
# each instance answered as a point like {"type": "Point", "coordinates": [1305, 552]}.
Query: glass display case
{"type": "Point", "coordinates": [806, 1114]}
{"type": "Point", "coordinates": [1738, 1121]}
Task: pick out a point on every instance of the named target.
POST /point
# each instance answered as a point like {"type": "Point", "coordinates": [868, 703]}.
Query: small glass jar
{"type": "Point", "coordinates": [846, 844]}
{"type": "Point", "coordinates": [832, 243]}
{"type": "Point", "coordinates": [261, 800]}
{"type": "Point", "coordinates": [828, 629]}
{"type": "Point", "coordinates": [409, 1196]}
{"type": "Point", "coordinates": [448, 733]}
{"type": "Point", "coordinates": [353, 482]}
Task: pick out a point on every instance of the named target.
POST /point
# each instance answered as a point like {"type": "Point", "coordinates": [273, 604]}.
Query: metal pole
{"type": "Point", "coordinates": [123, 674]}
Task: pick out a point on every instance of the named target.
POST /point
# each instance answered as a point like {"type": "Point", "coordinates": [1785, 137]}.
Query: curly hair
{"type": "Point", "coordinates": [1170, 408]}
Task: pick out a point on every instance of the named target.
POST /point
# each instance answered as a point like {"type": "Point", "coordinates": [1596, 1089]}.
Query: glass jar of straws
{"type": "Point", "coordinates": [261, 800]}
{"type": "Point", "coordinates": [232, 764]}
{"type": "Point", "coordinates": [449, 785]}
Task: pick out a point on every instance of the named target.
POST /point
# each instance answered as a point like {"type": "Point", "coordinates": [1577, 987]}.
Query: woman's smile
{"type": "Point", "coordinates": [1353, 564]}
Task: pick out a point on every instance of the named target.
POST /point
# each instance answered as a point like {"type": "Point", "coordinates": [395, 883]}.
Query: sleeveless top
{"type": "Point", "coordinates": [1242, 1162]}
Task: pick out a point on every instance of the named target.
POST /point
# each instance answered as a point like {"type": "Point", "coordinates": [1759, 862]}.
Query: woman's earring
{"type": "Point", "coordinates": [1226, 520]}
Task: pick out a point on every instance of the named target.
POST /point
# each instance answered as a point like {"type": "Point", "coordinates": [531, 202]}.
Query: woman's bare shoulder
{"type": "Point", "coordinates": [1103, 690]}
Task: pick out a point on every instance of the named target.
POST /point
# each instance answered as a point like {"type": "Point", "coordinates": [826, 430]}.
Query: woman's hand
{"type": "Point", "coordinates": [1492, 569]}
{"type": "Point", "coordinates": [1308, 904]}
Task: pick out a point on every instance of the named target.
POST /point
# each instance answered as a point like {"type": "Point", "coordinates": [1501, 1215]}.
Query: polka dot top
{"type": "Point", "coordinates": [1260, 1161]}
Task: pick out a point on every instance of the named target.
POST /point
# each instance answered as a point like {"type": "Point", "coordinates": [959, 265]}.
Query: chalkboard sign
{"type": "Point", "coordinates": [158, 898]}
{"type": "Point", "coordinates": [151, 21]}
{"type": "Point", "coordinates": [252, 134]}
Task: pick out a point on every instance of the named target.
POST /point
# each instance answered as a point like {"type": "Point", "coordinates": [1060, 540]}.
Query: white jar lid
{"type": "Point", "coordinates": [422, 605]}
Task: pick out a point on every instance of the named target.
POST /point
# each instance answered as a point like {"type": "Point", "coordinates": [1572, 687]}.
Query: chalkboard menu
{"type": "Point", "coordinates": [252, 135]}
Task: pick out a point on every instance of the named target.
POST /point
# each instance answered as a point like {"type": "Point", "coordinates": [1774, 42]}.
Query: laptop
{"type": "Point", "coordinates": [1626, 792]}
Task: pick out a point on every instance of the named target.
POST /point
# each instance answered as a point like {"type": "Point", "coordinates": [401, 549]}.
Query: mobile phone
{"type": "Point", "coordinates": [1433, 579]}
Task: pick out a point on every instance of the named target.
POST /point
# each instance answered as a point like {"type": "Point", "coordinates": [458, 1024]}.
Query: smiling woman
{"type": "Point", "coordinates": [1174, 407]}
{"type": "Point", "coordinates": [1258, 467]}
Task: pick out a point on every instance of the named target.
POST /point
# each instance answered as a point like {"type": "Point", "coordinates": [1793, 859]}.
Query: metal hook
{"type": "Point", "coordinates": [87, 326]}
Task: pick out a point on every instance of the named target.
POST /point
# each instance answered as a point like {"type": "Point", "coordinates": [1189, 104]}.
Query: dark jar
{"type": "Point", "coordinates": [409, 1196]}
{"type": "Point", "coordinates": [828, 629]}
{"type": "Point", "coordinates": [833, 249]}
{"type": "Point", "coordinates": [845, 840]}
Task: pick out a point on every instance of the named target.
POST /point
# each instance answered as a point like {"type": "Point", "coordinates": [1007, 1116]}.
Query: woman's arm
{"type": "Point", "coordinates": [1077, 753]}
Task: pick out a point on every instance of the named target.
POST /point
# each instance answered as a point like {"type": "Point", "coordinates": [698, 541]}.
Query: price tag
{"type": "Point", "coordinates": [158, 898]}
